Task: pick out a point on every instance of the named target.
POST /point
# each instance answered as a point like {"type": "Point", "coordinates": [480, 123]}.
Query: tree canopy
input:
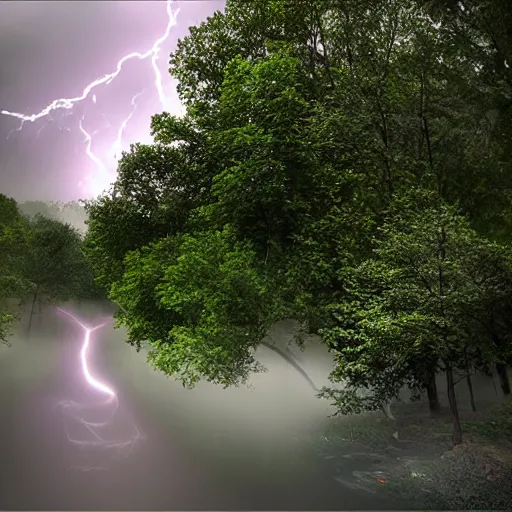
{"type": "Point", "coordinates": [344, 163]}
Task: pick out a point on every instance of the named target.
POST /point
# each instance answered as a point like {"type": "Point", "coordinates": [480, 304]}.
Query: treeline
{"type": "Point", "coordinates": [41, 262]}
{"type": "Point", "coordinates": [346, 164]}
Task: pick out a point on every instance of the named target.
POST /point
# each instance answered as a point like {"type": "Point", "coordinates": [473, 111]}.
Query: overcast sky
{"type": "Point", "coordinates": [51, 50]}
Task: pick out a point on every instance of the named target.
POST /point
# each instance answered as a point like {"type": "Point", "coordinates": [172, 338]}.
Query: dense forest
{"type": "Point", "coordinates": [344, 163]}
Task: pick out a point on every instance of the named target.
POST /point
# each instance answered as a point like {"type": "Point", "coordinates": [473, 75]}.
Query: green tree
{"type": "Point", "coordinates": [407, 310]}
{"type": "Point", "coordinates": [480, 37]}
{"type": "Point", "coordinates": [54, 262]}
{"type": "Point", "coordinates": [157, 188]}
{"type": "Point", "coordinates": [14, 233]}
{"type": "Point", "coordinates": [200, 302]}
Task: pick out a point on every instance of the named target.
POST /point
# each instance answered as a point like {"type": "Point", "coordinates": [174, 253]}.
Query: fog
{"type": "Point", "coordinates": [165, 447]}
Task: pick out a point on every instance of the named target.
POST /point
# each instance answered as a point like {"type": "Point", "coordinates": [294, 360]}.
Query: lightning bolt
{"type": "Point", "coordinates": [117, 147]}
{"type": "Point", "coordinates": [96, 183]}
{"type": "Point", "coordinates": [88, 140]}
{"type": "Point", "coordinates": [101, 182]}
{"type": "Point", "coordinates": [94, 383]}
{"type": "Point", "coordinates": [74, 410]}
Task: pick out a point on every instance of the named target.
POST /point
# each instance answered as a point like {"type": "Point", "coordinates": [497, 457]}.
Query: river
{"type": "Point", "coordinates": [165, 447]}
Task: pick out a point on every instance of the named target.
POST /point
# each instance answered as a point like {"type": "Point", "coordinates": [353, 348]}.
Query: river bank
{"type": "Point", "coordinates": [413, 457]}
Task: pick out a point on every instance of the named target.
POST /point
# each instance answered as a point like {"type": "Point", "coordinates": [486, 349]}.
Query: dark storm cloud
{"type": "Point", "coordinates": [54, 49]}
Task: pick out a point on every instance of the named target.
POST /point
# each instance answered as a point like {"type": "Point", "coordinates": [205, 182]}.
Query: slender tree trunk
{"type": "Point", "coordinates": [289, 358]}
{"type": "Point", "coordinates": [494, 375]}
{"type": "Point", "coordinates": [433, 398]}
{"type": "Point", "coordinates": [501, 369]}
{"type": "Point", "coordinates": [386, 408]}
{"type": "Point", "coordinates": [457, 430]}
{"type": "Point", "coordinates": [32, 310]}
{"type": "Point", "coordinates": [471, 394]}
{"type": "Point", "coordinates": [469, 382]}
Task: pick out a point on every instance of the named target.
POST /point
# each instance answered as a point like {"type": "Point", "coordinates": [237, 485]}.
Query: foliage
{"type": "Point", "coordinates": [13, 245]}
{"type": "Point", "coordinates": [409, 310]}
{"type": "Point", "coordinates": [199, 303]}
{"type": "Point", "coordinates": [344, 163]}
{"type": "Point", "coordinates": [53, 258]}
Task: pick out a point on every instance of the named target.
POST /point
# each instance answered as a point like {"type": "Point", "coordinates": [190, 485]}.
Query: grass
{"type": "Point", "coordinates": [368, 429]}
{"type": "Point", "coordinates": [421, 466]}
{"type": "Point", "coordinates": [495, 425]}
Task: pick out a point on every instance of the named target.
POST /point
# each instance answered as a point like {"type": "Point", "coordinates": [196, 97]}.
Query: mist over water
{"type": "Point", "coordinates": [207, 448]}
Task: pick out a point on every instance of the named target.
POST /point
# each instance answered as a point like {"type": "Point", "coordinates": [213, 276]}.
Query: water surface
{"type": "Point", "coordinates": [202, 449]}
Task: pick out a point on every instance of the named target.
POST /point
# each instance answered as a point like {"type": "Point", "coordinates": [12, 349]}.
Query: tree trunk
{"type": "Point", "coordinates": [495, 377]}
{"type": "Point", "coordinates": [469, 382]}
{"type": "Point", "coordinates": [32, 311]}
{"type": "Point", "coordinates": [290, 358]}
{"type": "Point", "coordinates": [386, 409]}
{"type": "Point", "coordinates": [433, 399]}
{"type": "Point", "coordinates": [457, 431]}
{"type": "Point", "coordinates": [503, 375]}
{"type": "Point", "coordinates": [471, 394]}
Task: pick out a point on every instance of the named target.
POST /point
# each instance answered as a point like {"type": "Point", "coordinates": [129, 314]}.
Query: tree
{"type": "Point", "coordinates": [196, 318]}
{"type": "Point", "coordinates": [14, 232]}
{"type": "Point", "coordinates": [115, 227]}
{"type": "Point", "coordinates": [406, 312]}
{"type": "Point", "coordinates": [200, 302]}
{"type": "Point", "coordinates": [54, 262]}
{"type": "Point", "coordinates": [157, 188]}
{"type": "Point", "coordinates": [480, 37]}
{"type": "Point", "coordinates": [265, 165]}
{"type": "Point", "coordinates": [489, 315]}
{"type": "Point", "coordinates": [484, 27]}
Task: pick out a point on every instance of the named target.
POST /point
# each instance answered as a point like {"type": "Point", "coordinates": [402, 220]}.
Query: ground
{"type": "Point", "coordinates": [413, 459]}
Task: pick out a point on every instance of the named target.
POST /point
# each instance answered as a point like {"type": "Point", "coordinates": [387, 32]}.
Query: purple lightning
{"type": "Point", "coordinates": [75, 410]}
{"type": "Point", "coordinates": [99, 164]}
{"type": "Point", "coordinates": [106, 174]}
{"type": "Point", "coordinates": [83, 355]}
{"type": "Point", "coordinates": [117, 147]}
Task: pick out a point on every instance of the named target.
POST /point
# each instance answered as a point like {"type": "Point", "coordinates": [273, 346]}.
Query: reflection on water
{"type": "Point", "coordinates": [207, 448]}
{"type": "Point", "coordinates": [93, 422]}
{"type": "Point", "coordinates": [98, 430]}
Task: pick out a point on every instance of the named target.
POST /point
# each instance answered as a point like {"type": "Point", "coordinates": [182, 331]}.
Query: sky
{"type": "Point", "coordinates": [52, 50]}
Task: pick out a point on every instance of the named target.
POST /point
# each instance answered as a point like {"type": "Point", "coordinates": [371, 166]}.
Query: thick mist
{"type": "Point", "coordinates": [250, 447]}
